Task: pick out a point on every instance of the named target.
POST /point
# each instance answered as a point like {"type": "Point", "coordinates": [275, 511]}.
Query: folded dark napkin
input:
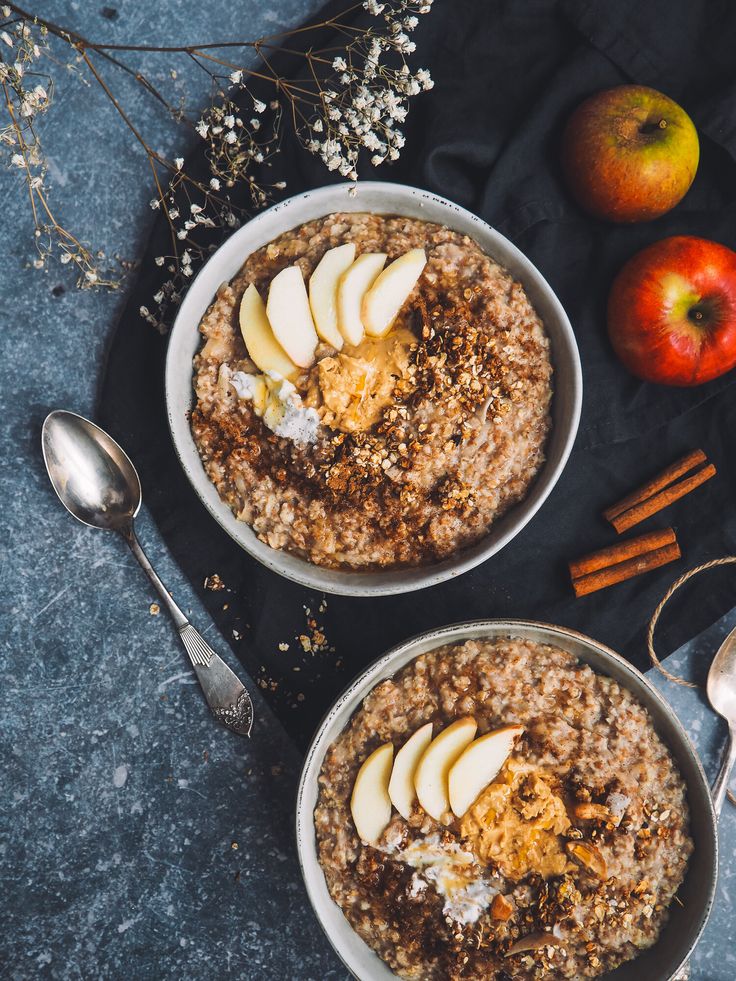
{"type": "Point", "coordinates": [507, 75]}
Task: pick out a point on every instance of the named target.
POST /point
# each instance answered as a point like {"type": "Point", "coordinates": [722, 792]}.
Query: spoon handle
{"type": "Point", "coordinates": [225, 693]}
{"type": "Point", "coordinates": [727, 764]}
{"type": "Point", "coordinates": [176, 614]}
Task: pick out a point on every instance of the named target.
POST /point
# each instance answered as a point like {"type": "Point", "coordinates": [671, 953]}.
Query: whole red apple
{"type": "Point", "coordinates": [672, 311]}
{"type": "Point", "coordinates": [629, 153]}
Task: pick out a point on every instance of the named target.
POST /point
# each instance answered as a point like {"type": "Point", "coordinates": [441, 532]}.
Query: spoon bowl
{"type": "Point", "coordinates": [93, 477]}
{"type": "Point", "coordinates": [721, 685]}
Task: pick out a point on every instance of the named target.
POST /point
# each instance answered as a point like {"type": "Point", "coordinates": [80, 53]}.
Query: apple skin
{"type": "Point", "coordinates": [629, 153]}
{"type": "Point", "coordinates": [672, 311]}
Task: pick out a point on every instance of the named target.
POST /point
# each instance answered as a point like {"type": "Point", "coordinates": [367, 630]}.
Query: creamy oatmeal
{"type": "Point", "coordinates": [565, 864]}
{"type": "Point", "coordinates": [400, 450]}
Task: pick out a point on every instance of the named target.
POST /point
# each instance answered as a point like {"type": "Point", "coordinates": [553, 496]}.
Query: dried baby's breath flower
{"type": "Point", "coordinates": [27, 95]}
{"type": "Point", "coordinates": [362, 105]}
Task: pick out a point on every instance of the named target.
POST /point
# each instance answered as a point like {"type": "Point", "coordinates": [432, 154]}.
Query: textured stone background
{"type": "Point", "coordinates": [137, 840]}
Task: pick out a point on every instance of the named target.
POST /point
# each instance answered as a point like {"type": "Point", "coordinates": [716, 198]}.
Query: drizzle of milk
{"type": "Point", "coordinates": [243, 383]}
{"type": "Point", "coordinates": [450, 869]}
{"type": "Point", "coordinates": [285, 414]}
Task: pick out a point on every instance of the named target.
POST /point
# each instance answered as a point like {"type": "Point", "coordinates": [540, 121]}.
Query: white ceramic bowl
{"type": "Point", "coordinates": [687, 921]}
{"type": "Point", "coordinates": [389, 199]}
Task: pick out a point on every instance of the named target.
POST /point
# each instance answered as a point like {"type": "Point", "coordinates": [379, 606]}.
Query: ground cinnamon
{"type": "Point", "coordinates": [622, 571]}
{"type": "Point", "coordinates": [672, 493]}
{"type": "Point", "coordinates": [621, 552]}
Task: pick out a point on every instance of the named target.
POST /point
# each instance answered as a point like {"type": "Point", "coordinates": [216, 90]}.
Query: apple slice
{"type": "Point", "coordinates": [263, 348]}
{"type": "Point", "coordinates": [401, 788]}
{"type": "Point", "coordinates": [323, 292]}
{"type": "Point", "coordinates": [370, 804]}
{"type": "Point", "coordinates": [288, 313]}
{"type": "Point", "coordinates": [430, 778]}
{"type": "Point", "coordinates": [478, 765]}
{"type": "Point", "coordinates": [351, 289]}
{"type": "Point", "coordinates": [388, 294]}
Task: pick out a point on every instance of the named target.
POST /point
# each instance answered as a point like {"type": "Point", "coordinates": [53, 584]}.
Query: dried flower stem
{"type": "Point", "coordinates": [354, 97]}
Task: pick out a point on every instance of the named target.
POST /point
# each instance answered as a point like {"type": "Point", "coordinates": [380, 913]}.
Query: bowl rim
{"type": "Point", "coordinates": [403, 653]}
{"type": "Point", "coordinates": [296, 568]}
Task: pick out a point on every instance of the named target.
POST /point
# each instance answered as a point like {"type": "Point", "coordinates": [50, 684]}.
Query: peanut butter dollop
{"type": "Point", "coordinates": [517, 824]}
{"type": "Point", "coordinates": [357, 384]}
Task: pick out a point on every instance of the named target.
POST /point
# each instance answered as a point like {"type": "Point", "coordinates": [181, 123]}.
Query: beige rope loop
{"type": "Point", "coordinates": [726, 560]}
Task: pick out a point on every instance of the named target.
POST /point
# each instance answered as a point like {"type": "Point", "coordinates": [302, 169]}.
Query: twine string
{"type": "Point", "coordinates": [714, 563]}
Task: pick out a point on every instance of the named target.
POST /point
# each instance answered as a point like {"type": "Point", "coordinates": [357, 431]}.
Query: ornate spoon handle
{"type": "Point", "coordinates": [225, 694]}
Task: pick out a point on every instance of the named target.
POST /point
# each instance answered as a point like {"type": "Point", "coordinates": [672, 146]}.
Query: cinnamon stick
{"type": "Point", "coordinates": [626, 570]}
{"type": "Point", "coordinates": [656, 484]}
{"type": "Point", "coordinates": [669, 495]}
{"type": "Point", "coordinates": [621, 552]}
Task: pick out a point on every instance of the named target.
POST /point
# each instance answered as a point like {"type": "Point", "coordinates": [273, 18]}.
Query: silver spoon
{"type": "Point", "coordinates": [721, 690]}
{"type": "Point", "coordinates": [97, 483]}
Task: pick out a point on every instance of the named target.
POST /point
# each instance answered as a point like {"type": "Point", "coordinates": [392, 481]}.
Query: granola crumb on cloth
{"type": "Point", "coordinates": [522, 887]}
{"type": "Point", "coordinates": [399, 474]}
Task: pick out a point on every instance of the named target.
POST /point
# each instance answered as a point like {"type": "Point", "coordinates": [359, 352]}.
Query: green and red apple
{"type": "Point", "coordinates": [672, 311]}
{"type": "Point", "coordinates": [629, 153]}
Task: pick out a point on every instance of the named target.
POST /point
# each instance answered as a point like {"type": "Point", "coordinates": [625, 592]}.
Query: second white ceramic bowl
{"type": "Point", "coordinates": [688, 917]}
{"type": "Point", "coordinates": [385, 199]}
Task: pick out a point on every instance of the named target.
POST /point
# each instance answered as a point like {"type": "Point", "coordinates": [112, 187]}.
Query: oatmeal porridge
{"type": "Point", "coordinates": [497, 810]}
{"type": "Point", "coordinates": [407, 434]}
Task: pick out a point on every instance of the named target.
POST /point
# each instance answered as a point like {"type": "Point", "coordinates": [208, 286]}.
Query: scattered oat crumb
{"type": "Point", "coordinates": [225, 606]}
{"type": "Point", "coordinates": [213, 582]}
{"type": "Point", "coordinates": [283, 646]}
{"type": "Point", "coordinates": [316, 642]}
{"type": "Point", "coordinates": [234, 846]}
{"type": "Point", "coordinates": [154, 609]}
{"type": "Point", "coordinates": [237, 635]}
